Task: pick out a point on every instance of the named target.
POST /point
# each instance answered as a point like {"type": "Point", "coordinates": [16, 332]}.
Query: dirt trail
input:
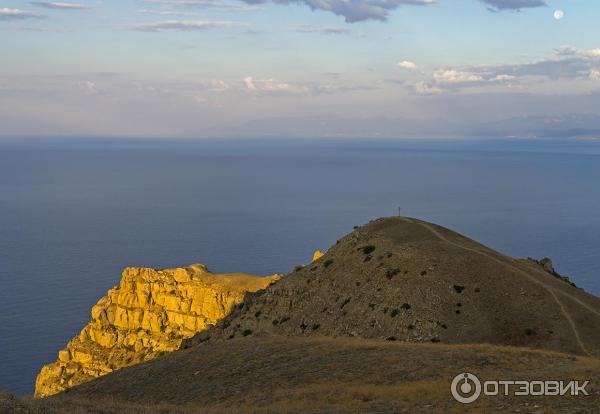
{"type": "Point", "coordinates": [512, 266]}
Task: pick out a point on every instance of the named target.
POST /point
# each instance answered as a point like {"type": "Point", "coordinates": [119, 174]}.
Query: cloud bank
{"type": "Point", "coordinates": [185, 25]}
{"type": "Point", "coordinates": [7, 14]}
{"type": "Point", "coordinates": [498, 5]}
{"type": "Point", "coordinates": [353, 10]}
{"type": "Point", "coordinates": [59, 5]}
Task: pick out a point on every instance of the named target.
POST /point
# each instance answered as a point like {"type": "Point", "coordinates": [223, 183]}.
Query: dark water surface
{"type": "Point", "coordinates": [73, 213]}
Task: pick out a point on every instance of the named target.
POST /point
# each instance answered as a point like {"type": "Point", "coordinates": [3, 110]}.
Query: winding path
{"type": "Point", "coordinates": [513, 267]}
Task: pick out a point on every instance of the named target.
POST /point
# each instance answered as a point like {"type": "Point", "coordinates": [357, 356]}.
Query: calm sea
{"type": "Point", "coordinates": [74, 212]}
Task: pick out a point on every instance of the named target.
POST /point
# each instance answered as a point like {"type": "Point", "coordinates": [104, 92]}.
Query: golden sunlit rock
{"type": "Point", "coordinates": [317, 255]}
{"type": "Point", "coordinates": [150, 313]}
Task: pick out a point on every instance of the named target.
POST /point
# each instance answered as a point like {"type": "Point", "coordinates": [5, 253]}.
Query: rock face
{"type": "Point", "coordinates": [317, 255]}
{"type": "Point", "coordinates": [548, 266]}
{"type": "Point", "coordinates": [149, 314]}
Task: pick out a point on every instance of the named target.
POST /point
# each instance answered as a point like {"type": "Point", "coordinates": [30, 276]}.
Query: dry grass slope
{"type": "Point", "coordinates": [324, 375]}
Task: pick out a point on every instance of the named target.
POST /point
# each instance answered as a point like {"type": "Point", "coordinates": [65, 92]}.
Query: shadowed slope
{"type": "Point", "coordinates": [325, 375]}
{"type": "Point", "coordinates": [405, 279]}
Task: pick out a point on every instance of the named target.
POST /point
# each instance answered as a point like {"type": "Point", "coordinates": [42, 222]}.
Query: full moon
{"type": "Point", "coordinates": [559, 14]}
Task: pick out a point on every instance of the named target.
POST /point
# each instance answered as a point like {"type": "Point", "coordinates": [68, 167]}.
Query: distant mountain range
{"type": "Point", "coordinates": [573, 126]}
{"type": "Point", "coordinates": [543, 126]}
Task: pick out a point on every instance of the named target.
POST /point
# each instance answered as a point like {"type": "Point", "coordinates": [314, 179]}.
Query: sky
{"type": "Point", "coordinates": [300, 68]}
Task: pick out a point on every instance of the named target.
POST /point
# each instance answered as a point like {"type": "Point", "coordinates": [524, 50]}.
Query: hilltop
{"type": "Point", "coordinates": [409, 280]}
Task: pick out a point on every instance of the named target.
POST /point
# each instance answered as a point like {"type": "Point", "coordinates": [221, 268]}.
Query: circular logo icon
{"type": "Point", "coordinates": [465, 388]}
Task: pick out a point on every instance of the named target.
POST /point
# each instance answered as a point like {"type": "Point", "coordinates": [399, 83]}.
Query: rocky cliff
{"type": "Point", "coordinates": [149, 314]}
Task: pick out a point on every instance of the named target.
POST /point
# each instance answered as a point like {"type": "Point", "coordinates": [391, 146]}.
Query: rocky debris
{"type": "Point", "coordinates": [547, 265]}
{"type": "Point", "coordinates": [149, 314]}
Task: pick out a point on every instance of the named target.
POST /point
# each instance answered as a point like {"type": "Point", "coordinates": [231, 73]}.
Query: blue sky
{"type": "Point", "coordinates": [302, 68]}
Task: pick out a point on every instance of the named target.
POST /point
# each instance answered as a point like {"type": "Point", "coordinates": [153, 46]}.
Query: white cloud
{"type": "Point", "coordinates": [595, 74]}
{"type": "Point", "coordinates": [407, 64]}
{"type": "Point", "coordinates": [17, 14]}
{"type": "Point", "coordinates": [89, 87]}
{"type": "Point", "coordinates": [272, 86]}
{"type": "Point", "coordinates": [185, 25]}
{"type": "Point", "coordinates": [424, 88]}
{"type": "Point", "coordinates": [220, 5]}
{"type": "Point", "coordinates": [167, 12]}
{"type": "Point", "coordinates": [455, 76]}
{"type": "Point", "coordinates": [60, 5]}
{"type": "Point", "coordinates": [353, 10]}
{"type": "Point", "coordinates": [573, 51]}
{"type": "Point", "coordinates": [308, 28]}
{"type": "Point", "coordinates": [503, 78]}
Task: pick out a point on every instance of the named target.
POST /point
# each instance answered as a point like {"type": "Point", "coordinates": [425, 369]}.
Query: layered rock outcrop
{"type": "Point", "coordinates": [150, 313]}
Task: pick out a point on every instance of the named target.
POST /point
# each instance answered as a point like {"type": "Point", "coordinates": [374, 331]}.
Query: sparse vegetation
{"type": "Point", "coordinates": [419, 376]}
{"type": "Point", "coordinates": [368, 249]}
{"type": "Point", "coordinates": [391, 273]}
{"type": "Point", "coordinates": [458, 288]}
